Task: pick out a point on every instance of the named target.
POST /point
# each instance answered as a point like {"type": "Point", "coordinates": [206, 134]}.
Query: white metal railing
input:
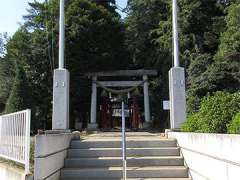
{"type": "Point", "coordinates": [124, 155]}
{"type": "Point", "coordinates": [15, 137]}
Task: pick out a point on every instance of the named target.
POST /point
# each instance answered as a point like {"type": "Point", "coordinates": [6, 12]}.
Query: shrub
{"type": "Point", "coordinates": [215, 113]}
{"type": "Point", "coordinates": [234, 126]}
{"type": "Point", "coordinates": [192, 124]}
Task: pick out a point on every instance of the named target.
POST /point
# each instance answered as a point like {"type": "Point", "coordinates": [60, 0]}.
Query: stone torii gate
{"type": "Point", "coordinates": [120, 73]}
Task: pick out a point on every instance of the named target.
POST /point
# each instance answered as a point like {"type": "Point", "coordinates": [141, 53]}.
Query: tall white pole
{"type": "Point", "coordinates": [177, 92]}
{"type": "Point", "coordinates": [61, 35]}
{"type": "Point", "coordinates": [175, 33]}
{"type": "Point", "coordinates": [61, 84]}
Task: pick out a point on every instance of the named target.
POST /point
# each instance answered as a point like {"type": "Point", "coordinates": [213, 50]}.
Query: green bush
{"type": "Point", "coordinates": [192, 124]}
{"type": "Point", "coordinates": [215, 113]}
{"type": "Point", "coordinates": [234, 126]}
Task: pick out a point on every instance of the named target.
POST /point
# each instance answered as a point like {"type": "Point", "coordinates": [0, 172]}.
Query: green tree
{"type": "Point", "coordinates": [3, 40]}
{"type": "Point", "coordinates": [215, 114]}
{"type": "Point", "coordinates": [201, 23]}
{"type": "Point", "coordinates": [142, 38]}
{"type": "Point", "coordinates": [19, 98]}
{"type": "Point", "coordinates": [219, 76]}
{"type": "Point", "coordinates": [6, 81]}
{"type": "Point", "coordinates": [234, 125]}
{"type": "Point", "coordinates": [218, 72]}
{"type": "Point", "coordinates": [94, 42]}
{"type": "Point", "coordinates": [101, 34]}
{"type": "Point", "coordinates": [14, 50]}
{"type": "Point", "coordinates": [230, 39]}
{"type": "Point", "coordinates": [149, 28]}
{"type": "Point", "coordinates": [144, 17]}
{"type": "Point", "coordinates": [6, 72]}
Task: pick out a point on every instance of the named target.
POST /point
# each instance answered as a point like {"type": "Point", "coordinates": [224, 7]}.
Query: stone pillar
{"type": "Point", "coordinates": [93, 118]}
{"type": "Point", "coordinates": [177, 97]}
{"type": "Point", "coordinates": [60, 119]}
{"type": "Point", "coordinates": [146, 99]}
{"type": "Point", "coordinates": [129, 95]}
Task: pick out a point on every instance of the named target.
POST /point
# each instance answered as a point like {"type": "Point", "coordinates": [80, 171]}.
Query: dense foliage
{"type": "Point", "coordinates": [202, 26]}
{"type": "Point", "coordinates": [221, 72]}
{"type": "Point", "coordinates": [234, 126]}
{"type": "Point", "coordinates": [94, 42]}
{"type": "Point", "coordinates": [148, 52]}
{"type": "Point", "coordinates": [230, 39]}
{"type": "Point", "coordinates": [215, 113]}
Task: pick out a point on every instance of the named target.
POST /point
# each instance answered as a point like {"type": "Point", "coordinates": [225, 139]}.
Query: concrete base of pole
{"type": "Point", "coordinates": [28, 177]}
{"type": "Point", "coordinates": [146, 125]}
{"type": "Point", "coordinates": [92, 127]}
{"type": "Point", "coordinates": [177, 97]}
{"type": "Point", "coordinates": [57, 131]}
{"type": "Point", "coordinates": [61, 83]}
{"type": "Point", "coordinates": [171, 130]}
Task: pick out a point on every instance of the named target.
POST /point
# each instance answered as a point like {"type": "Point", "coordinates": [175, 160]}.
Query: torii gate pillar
{"type": "Point", "coordinates": [146, 100]}
{"type": "Point", "coordinates": [93, 119]}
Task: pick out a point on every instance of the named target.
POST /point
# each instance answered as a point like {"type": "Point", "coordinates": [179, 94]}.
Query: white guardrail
{"type": "Point", "coordinates": [15, 137]}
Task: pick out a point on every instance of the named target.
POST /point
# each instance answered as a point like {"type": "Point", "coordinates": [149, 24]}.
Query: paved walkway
{"type": "Point", "coordinates": [129, 135]}
{"type": "Point", "coordinates": [8, 172]}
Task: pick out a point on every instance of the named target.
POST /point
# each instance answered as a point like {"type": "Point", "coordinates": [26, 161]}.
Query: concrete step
{"type": "Point", "coordinates": [131, 161]}
{"type": "Point", "coordinates": [111, 143]}
{"type": "Point", "coordinates": [117, 152]}
{"type": "Point", "coordinates": [128, 134]}
{"type": "Point", "coordinates": [132, 172]}
{"type": "Point", "coordinates": [130, 179]}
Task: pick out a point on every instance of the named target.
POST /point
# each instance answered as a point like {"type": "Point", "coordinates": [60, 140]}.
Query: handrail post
{"type": "Point", "coordinates": [27, 142]}
{"type": "Point", "coordinates": [124, 159]}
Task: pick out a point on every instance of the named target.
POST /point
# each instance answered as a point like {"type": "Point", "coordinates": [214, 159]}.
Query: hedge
{"type": "Point", "coordinates": [234, 126]}
{"type": "Point", "coordinates": [215, 114]}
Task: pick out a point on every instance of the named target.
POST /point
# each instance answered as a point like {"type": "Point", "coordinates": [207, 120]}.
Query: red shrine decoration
{"type": "Point", "coordinates": [106, 113]}
{"type": "Point", "coordinates": [136, 116]}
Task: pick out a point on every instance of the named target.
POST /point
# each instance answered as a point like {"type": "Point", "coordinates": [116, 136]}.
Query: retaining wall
{"type": "Point", "coordinates": [50, 152]}
{"type": "Point", "coordinates": [210, 156]}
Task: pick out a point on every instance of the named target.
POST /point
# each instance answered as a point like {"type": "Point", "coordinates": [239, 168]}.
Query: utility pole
{"type": "Point", "coordinates": [175, 33]}
{"type": "Point", "coordinates": [177, 92]}
{"type": "Point", "coordinates": [61, 35]}
{"type": "Point", "coordinates": [60, 119]}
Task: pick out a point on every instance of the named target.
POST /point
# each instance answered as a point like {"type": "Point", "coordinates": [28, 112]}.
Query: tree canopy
{"type": "Point", "coordinates": [94, 41]}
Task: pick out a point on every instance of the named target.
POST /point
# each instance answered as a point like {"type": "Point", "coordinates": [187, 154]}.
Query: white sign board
{"type": "Point", "coordinates": [166, 105]}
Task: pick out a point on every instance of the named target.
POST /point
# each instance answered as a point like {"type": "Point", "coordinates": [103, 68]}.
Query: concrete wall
{"type": "Point", "coordinates": [210, 156]}
{"type": "Point", "coordinates": [50, 152]}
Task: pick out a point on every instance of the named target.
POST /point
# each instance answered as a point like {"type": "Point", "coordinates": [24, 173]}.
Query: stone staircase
{"type": "Point", "coordinates": [149, 157]}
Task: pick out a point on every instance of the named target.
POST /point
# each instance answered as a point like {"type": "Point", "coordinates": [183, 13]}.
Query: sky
{"type": "Point", "coordinates": [11, 12]}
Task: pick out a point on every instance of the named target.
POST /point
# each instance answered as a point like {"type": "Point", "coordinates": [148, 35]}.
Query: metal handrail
{"type": "Point", "coordinates": [15, 137]}
{"type": "Point", "coordinates": [124, 156]}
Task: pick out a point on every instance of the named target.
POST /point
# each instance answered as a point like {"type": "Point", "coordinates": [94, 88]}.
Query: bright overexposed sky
{"type": "Point", "coordinates": [11, 12]}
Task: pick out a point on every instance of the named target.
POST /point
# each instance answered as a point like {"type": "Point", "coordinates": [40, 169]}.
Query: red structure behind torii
{"type": "Point", "coordinates": [144, 74]}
